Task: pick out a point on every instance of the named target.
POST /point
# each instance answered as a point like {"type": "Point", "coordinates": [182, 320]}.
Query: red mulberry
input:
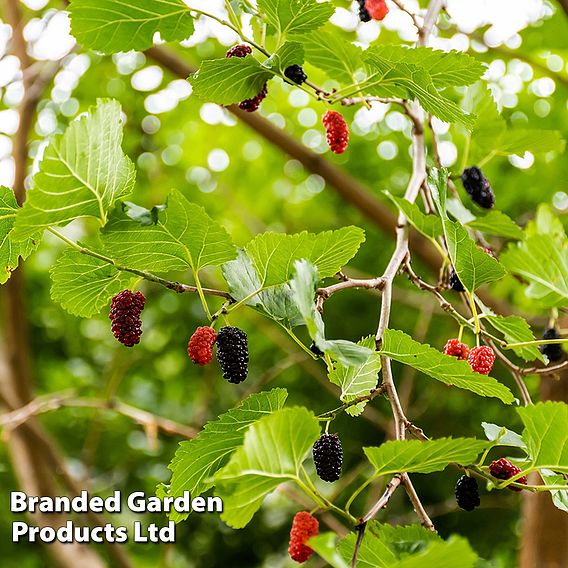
{"type": "Point", "coordinates": [252, 105]}
{"type": "Point", "coordinates": [328, 457]}
{"type": "Point", "coordinates": [504, 469]}
{"type": "Point", "coordinates": [455, 348]}
{"type": "Point", "coordinates": [337, 131]}
{"type": "Point", "coordinates": [125, 311]}
{"type": "Point", "coordinates": [377, 9]}
{"type": "Point", "coordinates": [481, 359]}
{"type": "Point", "coordinates": [304, 527]}
{"type": "Point", "coordinates": [200, 346]}
{"type": "Point", "coordinates": [232, 353]}
{"type": "Point", "coordinates": [240, 50]}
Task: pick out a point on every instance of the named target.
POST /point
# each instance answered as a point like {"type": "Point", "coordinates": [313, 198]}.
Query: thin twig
{"type": "Point", "coordinates": [41, 405]}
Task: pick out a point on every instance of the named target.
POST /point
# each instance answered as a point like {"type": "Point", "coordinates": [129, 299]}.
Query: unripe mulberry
{"type": "Point", "coordinates": [125, 311]}
{"type": "Point", "coordinates": [553, 351]}
{"type": "Point", "coordinates": [467, 493]}
{"type": "Point", "coordinates": [200, 346]}
{"type": "Point", "coordinates": [232, 353]}
{"type": "Point", "coordinates": [337, 131]}
{"type": "Point", "coordinates": [377, 9]}
{"type": "Point", "coordinates": [481, 359]}
{"type": "Point", "coordinates": [478, 187]}
{"type": "Point", "coordinates": [364, 15]}
{"type": "Point", "coordinates": [296, 74]}
{"type": "Point", "coordinates": [504, 469]}
{"type": "Point", "coordinates": [328, 457]}
{"type": "Point", "coordinates": [240, 50]}
{"type": "Point", "coordinates": [304, 527]}
{"type": "Point", "coordinates": [455, 282]}
{"type": "Point", "coordinates": [455, 348]}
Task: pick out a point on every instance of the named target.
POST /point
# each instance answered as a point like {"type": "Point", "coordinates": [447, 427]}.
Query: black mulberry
{"type": "Point", "coordinates": [328, 457]}
{"type": "Point", "coordinates": [478, 187]}
{"type": "Point", "coordinates": [455, 282]}
{"type": "Point", "coordinates": [467, 493]}
{"type": "Point", "coordinates": [316, 350]}
{"type": "Point", "coordinates": [125, 311]}
{"type": "Point", "coordinates": [232, 353]}
{"type": "Point", "coordinates": [553, 351]}
{"type": "Point", "coordinates": [296, 74]}
{"type": "Point", "coordinates": [364, 15]}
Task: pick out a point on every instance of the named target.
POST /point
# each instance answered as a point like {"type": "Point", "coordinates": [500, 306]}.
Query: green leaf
{"type": "Point", "coordinates": [504, 436]}
{"type": "Point", "coordinates": [373, 553]}
{"type": "Point", "coordinates": [303, 287]}
{"type": "Point", "coordinates": [229, 80]}
{"type": "Point", "coordinates": [449, 370]}
{"type": "Point", "coordinates": [111, 26]}
{"type": "Point", "coordinates": [273, 254]}
{"type": "Point", "coordinates": [516, 330]}
{"type": "Point", "coordinates": [142, 215]}
{"type": "Point", "coordinates": [414, 456]}
{"type": "Point", "coordinates": [83, 285]}
{"type": "Point", "coordinates": [405, 540]}
{"type": "Point", "coordinates": [519, 141]}
{"type": "Point", "coordinates": [325, 546]}
{"type": "Point", "coordinates": [473, 265]}
{"type": "Point", "coordinates": [546, 434]}
{"type": "Point", "coordinates": [196, 461]}
{"type": "Point", "coordinates": [273, 451]}
{"type": "Point", "coordinates": [290, 53]}
{"type": "Point", "coordinates": [544, 264]}
{"type": "Point", "coordinates": [82, 173]}
{"type": "Point", "coordinates": [295, 16]}
{"type": "Point", "coordinates": [559, 497]}
{"type": "Point", "coordinates": [339, 59]}
{"type": "Point", "coordinates": [389, 77]}
{"type": "Point", "coordinates": [546, 222]}
{"type": "Point", "coordinates": [446, 68]}
{"type": "Point", "coordinates": [357, 380]}
{"type": "Point", "coordinates": [183, 237]}
{"type": "Point", "coordinates": [277, 302]}
{"type": "Point", "coordinates": [492, 137]}
{"type": "Point", "coordinates": [10, 251]}
{"type": "Point", "coordinates": [429, 225]}
{"type": "Point", "coordinates": [455, 552]}
{"type": "Point", "coordinates": [498, 224]}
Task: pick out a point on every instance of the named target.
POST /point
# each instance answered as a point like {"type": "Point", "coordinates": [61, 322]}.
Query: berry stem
{"type": "Point", "coordinates": [460, 334]}
{"type": "Point", "coordinates": [295, 338]}
{"type": "Point", "coordinates": [535, 342]}
{"type": "Point", "coordinates": [202, 295]}
{"type": "Point", "coordinates": [475, 316]}
{"type": "Point", "coordinates": [358, 492]}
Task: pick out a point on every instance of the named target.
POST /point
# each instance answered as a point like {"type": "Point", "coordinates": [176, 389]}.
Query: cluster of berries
{"type": "Point", "coordinates": [232, 342]}
{"type": "Point", "coordinates": [294, 73]}
{"type": "Point", "coordinates": [372, 9]}
{"type": "Point", "coordinates": [480, 359]}
{"type": "Point", "coordinates": [232, 350]}
{"type": "Point", "coordinates": [467, 490]}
